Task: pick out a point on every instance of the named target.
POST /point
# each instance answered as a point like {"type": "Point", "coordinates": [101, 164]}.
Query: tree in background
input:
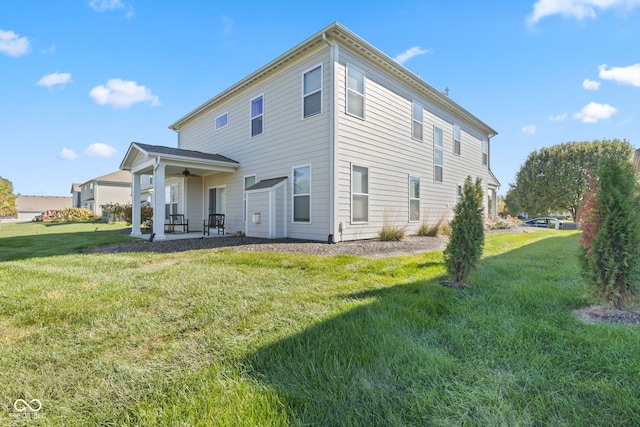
{"type": "Point", "coordinates": [467, 232]}
{"type": "Point", "coordinates": [7, 199]}
{"type": "Point", "coordinates": [555, 178]}
{"type": "Point", "coordinates": [611, 245]}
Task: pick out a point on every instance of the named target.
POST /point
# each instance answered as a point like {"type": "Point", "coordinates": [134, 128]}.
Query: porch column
{"type": "Point", "coordinates": [135, 205]}
{"type": "Point", "coordinates": [158, 201]}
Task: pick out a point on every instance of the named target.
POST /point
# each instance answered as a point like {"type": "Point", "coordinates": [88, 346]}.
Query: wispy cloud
{"type": "Point", "coordinates": [67, 154]}
{"type": "Point", "coordinates": [529, 129]}
{"type": "Point", "coordinates": [578, 9]}
{"type": "Point", "coordinates": [558, 118]}
{"type": "Point", "coordinates": [410, 53]}
{"type": "Point", "coordinates": [53, 79]}
{"type": "Point", "coordinates": [228, 25]}
{"type": "Point", "coordinates": [625, 75]}
{"type": "Point", "coordinates": [12, 44]}
{"type": "Point", "coordinates": [100, 150]}
{"type": "Point", "coordinates": [50, 49]}
{"type": "Point", "coordinates": [594, 112]}
{"type": "Point", "coordinates": [109, 5]}
{"type": "Point", "coordinates": [590, 84]}
{"type": "Point", "coordinates": [120, 93]}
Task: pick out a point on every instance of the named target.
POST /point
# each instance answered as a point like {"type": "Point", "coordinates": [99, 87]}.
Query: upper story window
{"type": "Point", "coordinates": [438, 155]}
{"type": "Point", "coordinates": [485, 152]}
{"type": "Point", "coordinates": [417, 121]}
{"type": "Point", "coordinates": [457, 141]}
{"type": "Point", "coordinates": [302, 194]}
{"type": "Point", "coordinates": [355, 92]}
{"type": "Point", "coordinates": [414, 198]}
{"type": "Point", "coordinates": [359, 194]}
{"type": "Point", "coordinates": [312, 92]}
{"type": "Point", "coordinates": [222, 120]}
{"type": "Point", "coordinates": [257, 116]}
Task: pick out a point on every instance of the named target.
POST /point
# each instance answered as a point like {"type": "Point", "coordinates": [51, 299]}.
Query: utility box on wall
{"type": "Point", "coordinates": [256, 218]}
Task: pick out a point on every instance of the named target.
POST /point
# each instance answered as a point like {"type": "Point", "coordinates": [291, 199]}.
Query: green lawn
{"type": "Point", "coordinates": [254, 339]}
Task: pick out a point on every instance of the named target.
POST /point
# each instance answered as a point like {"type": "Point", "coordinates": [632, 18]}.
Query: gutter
{"type": "Point", "coordinates": [333, 124]}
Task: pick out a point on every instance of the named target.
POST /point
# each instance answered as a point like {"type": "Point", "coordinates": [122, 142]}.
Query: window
{"type": "Point", "coordinates": [248, 182]}
{"type": "Point", "coordinates": [222, 120]}
{"type": "Point", "coordinates": [414, 198]}
{"type": "Point", "coordinates": [456, 139]}
{"type": "Point", "coordinates": [437, 155]}
{"type": "Point", "coordinates": [485, 152]}
{"type": "Point", "coordinates": [359, 194]}
{"type": "Point", "coordinates": [355, 92]}
{"type": "Point", "coordinates": [312, 92]}
{"type": "Point", "coordinates": [170, 200]}
{"type": "Point", "coordinates": [459, 193]}
{"type": "Point", "coordinates": [257, 115]}
{"type": "Point", "coordinates": [302, 194]}
{"type": "Point", "coordinates": [417, 121]}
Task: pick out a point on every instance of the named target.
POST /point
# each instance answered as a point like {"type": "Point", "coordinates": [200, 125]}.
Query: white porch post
{"type": "Point", "coordinates": [135, 205]}
{"type": "Point", "coordinates": [158, 201]}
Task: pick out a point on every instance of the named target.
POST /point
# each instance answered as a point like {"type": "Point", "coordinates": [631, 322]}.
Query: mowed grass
{"type": "Point", "coordinates": [256, 339]}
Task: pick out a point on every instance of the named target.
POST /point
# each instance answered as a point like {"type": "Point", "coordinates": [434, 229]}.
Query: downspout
{"type": "Point", "coordinates": [333, 155]}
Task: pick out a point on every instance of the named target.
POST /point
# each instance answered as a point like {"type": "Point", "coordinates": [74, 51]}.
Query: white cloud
{"type": "Point", "coordinates": [578, 9]}
{"type": "Point", "coordinates": [626, 75]}
{"type": "Point", "coordinates": [12, 44]}
{"type": "Point", "coordinates": [104, 5]}
{"type": "Point", "coordinates": [50, 49]}
{"type": "Point", "coordinates": [590, 84]}
{"type": "Point", "coordinates": [55, 79]}
{"type": "Point", "coordinates": [410, 53]}
{"type": "Point", "coordinates": [123, 94]}
{"type": "Point", "coordinates": [529, 129]}
{"type": "Point", "coordinates": [558, 118]}
{"type": "Point", "coordinates": [68, 154]}
{"type": "Point", "coordinates": [228, 25]}
{"type": "Point", "coordinates": [594, 112]}
{"type": "Point", "coordinates": [100, 150]}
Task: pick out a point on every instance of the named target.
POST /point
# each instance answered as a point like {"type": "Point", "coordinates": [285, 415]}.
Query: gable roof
{"type": "Point", "coordinates": [173, 154]}
{"type": "Point", "coordinates": [338, 32]}
{"type": "Point", "coordinates": [42, 203]}
{"type": "Point", "coordinates": [266, 183]}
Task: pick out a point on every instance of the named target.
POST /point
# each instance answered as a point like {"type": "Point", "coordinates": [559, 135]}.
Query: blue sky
{"type": "Point", "coordinates": [80, 80]}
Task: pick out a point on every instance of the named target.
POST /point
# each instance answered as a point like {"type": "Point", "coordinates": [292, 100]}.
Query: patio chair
{"type": "Point", "coordinates": [214, 221]}
{"type": "Point", "coordinates": [177, 221]}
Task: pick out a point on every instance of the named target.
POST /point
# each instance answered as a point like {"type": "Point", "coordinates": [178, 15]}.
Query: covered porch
{"type": "Point", "coordinates": [185, 169]}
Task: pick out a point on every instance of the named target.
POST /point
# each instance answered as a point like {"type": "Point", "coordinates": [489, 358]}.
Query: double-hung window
{"type": "Point", "coordinates": [485, 152]}
{"type": "Point", "coordinates": [457, 141]}
{"type": "Point", "coordinates": [302, 194]}
{"type": "Point", "coordinates": [248, 182]}
{"type": "Point", "coordinates": [359, 194]}
{"type": "Point", "coordinates": [257, 116]}
{"type": "Point", "coordinates": [170, 200]}
{"type": "Point", "coordinates": [222, 120]}
{"type": "Point", "coordinates": [355, 92]}
{"type": "Point", "coordinates": [437, 154]}
{"type": "Point", "coordinates": [312, 92]}
{"type": "Point", "coordinates": [417, 121]}
{"type": "Point", "coordinates": [414, 198]}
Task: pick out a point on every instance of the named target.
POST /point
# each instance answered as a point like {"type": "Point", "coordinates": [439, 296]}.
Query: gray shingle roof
{"type": "Point", "coordinates": [159, 149]}
{"type": "Point", "coordinates": [266, 183]}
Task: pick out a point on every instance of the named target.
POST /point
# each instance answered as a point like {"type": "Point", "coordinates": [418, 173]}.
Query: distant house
{"type": "Point", "coordinates": [29, 207]}
{"type": "Point", "coordinates": [330, 141]}
{"type": "Point", "coordinates": [111, 188]}
{"type": "Point", "coordinates": [76, 195]}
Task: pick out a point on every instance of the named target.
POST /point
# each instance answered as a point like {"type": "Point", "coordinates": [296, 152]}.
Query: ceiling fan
{"type": "Point", "coordinates": [187, 173]}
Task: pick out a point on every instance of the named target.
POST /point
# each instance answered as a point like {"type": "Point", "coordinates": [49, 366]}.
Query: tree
{"type": "Point", "coordinates": [467, 232]}
{"type": "Point", "coordinates": [611, 249]}
{"type": "Point", "coordinates": [555, 178]}
{"type": "Point", "coordinates": [7, 199]}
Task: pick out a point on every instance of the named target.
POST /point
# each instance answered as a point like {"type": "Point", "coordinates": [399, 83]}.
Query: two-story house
{"type": "Point", "coordinates": [114, 187]}
{"type": "Point", "coordinates": [330, 142]}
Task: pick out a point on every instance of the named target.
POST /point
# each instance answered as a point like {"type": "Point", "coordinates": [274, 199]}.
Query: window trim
{"type": "Point", "coordinates": [485, 152]}
{"type": "Point", "coordinates": [360, 194]}
{"type": "Point", "coordinates": [321, 90]}
{"type": "Point", "coordinates": [293, 193]}
{"type": "Point", "coordinates": [244, 194]}
{"type": "Point", "coordinates": [226, 122]}
{"type": "Point", "coordinates": [252, 118]}
{"type": "Point", "coordinates": [414, 177]}
{"type": "Point", "coordinates": [457, 140]}
{"type": "Point", "coordinates": [348, 90]}
{"type": "Point", "coordinates": [415, 104]}
{"type": "Point", "coordinates": [438, 148]}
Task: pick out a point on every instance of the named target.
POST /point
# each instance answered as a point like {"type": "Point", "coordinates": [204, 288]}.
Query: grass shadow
{"type": "Point", "coordinates": [505, 351]}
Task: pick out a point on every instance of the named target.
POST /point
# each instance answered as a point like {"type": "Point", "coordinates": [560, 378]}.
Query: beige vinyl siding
{"type": "Point", "coordinates": [383, 142]}
{"type": "Point", "coordinates": [192, 211]}
{"type": "Point", "coordinates": [288, 140]}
